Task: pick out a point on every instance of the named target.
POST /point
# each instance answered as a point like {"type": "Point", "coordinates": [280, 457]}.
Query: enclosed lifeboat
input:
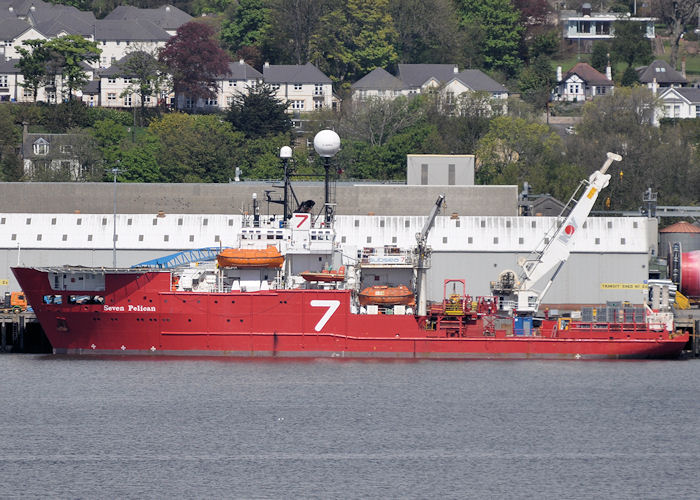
{"type": "Point", "coordinates": [386, 295]}
{"type": "Point", "coordinates": [325, 276]}
{"type": "Point", "coordinates": [250, 257]}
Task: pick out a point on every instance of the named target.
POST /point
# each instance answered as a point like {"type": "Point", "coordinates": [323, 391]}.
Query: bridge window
{"type": "Point", "coordinates": [89, 237]}
{"type": "Point", "coordinates": [369, 239]}
{"type": "Point", "coordinates": [2, 221]}
{"type": "Point", "coordinates": [104, 221]}
{"type": "Point", "coordinates": [29, 221]}
{"type": "Point", "coordinates": [407, 223]}
{"type": "Point", "coordinates": [38, 237]}
{"type": "Point", "coordinates": [357, 223]}
{"type": "Point", "coordinates": [495, 240]}
{"type": "Point", "coordinates": [217, 238]}
{"type": "Point", "coordinates": [128, 222]}
{"type": "Point", "coordinates": [609, 224]}
{"type": "Point", "coordinates": [533, 224]}
{"type": "Point", "coordinates": [166, 237]}
{"type": "Point", "coordinates": [205, 222]}
{"type": "Point", "coordinates": [521, 241]}
{"type": "Point", "coordinates": [140, 237]}
{"type": "Point", "coordinates": [155, 222]}
{"type": "Point", "coordinates": [470, 240]}
{"type": "Point", "coordinates": [179, 221]}
{"type": "Point", "coordinates": [381, 223]}
{"type": "Point", "coordinates": [53, 221]}
{"type": "Point", "coordinates": [622, 241]}
{"type": "Point", "coordinates": [394, 239]}
{"type": "Point", "coordinates": [79, 221]}
{"type": "Point", "coordinates": [597, 241]}
{"type": "Point", "coordinates": [343, 239]}
{"type": "Point", "coordinates": [191, 237]}
{"type": "Point", "coordinates": [65, 237]}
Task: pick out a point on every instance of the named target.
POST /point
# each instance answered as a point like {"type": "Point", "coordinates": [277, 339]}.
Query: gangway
{"type": "Point", "coordinates": [182, 258]}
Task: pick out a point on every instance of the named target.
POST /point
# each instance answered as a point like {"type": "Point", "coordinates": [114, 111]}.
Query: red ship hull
{"type": "Point", "coordinates": [141, 315]}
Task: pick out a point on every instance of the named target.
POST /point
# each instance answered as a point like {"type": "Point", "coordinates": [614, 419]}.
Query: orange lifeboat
{"type": "Point", "coordinates": [386, 295]}
{"type": "Point", "coordinates": [325, 276]}
{"type": "Point", "coordinates": [250, 257]}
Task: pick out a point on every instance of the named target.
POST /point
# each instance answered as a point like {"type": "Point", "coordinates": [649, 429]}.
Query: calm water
{"type": "Point", "coordinates": [149, 428]}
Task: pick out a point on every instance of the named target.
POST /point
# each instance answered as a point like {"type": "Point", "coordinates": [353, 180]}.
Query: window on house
{"type": "Point", "coordinates": [41, 147]}
{"type": "Point", "coordinates": [189, 103]}
{"type": "Point", "coordinates": [451, 174]}
{"type": "Point", "coordinates": [111, 97]}
{"type": "Point", "coordinates": [229, 100]}
{"type": "Point", "coordinates": [318, 89]}
{"type": "Point", "coordinates": [127, 100]}
{"type": "Point", "coordinates": [424, 174]}
{"type": "Point", "coordinates": [297, 86]}
{"type": "Point", "coordinates": [318, 104]}
{"type": "Point", "coordinates": [297, 104]}
{"type": "Point", "coordinates": [112, 79]}
{"type": "Point", "coordinates": [66, 149]}
{"type": "Point", "coordinates": [127, 80]}
{"type": "Point", "coordinates": [3, 80]}
{"type": "Point", "coordinates": [212, 102]}
{"type": "Point", "coordinates": [275, 86]}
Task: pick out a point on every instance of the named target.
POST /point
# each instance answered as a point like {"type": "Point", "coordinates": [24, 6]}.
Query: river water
{"type": "Point", "coordinates": [201, 428]}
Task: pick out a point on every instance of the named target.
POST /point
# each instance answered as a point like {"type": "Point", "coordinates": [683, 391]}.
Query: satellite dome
{"type": "Point", "coordinates": [327, 143]}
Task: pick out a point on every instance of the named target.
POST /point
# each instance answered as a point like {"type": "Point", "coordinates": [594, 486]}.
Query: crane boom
{"type": "Point", "coordinates": [557, 246]}
{"type": "Point", "coordinates": [422, 252]}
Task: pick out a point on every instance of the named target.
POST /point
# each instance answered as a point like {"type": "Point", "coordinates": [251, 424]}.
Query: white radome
{"type": "Point", "coordinates": [327, 143]}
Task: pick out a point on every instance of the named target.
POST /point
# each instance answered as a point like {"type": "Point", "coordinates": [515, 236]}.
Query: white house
{"type": "Point", "coordinates": [681, 102]}
{"type": "Point", "coordinates": [587, 25]}
{"type": "Point", "coordinates": [118, 38]}
{"type": "Point", "coordinates": [582, 82]}
{"type": "Point", "coordinates": [305, 87]}
{"type": "Point", "coordinates": [419, 78]}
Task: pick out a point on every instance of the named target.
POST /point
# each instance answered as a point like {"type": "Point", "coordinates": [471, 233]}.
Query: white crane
{"type": "Point", "coordinates": [555, 248]}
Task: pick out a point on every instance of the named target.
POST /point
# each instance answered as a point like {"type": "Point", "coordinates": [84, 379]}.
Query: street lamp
{"type": "Point", "coordinates": [115, 171]}
{"type": "Point", "coordinates": [327, 144]}
{"type": "Point", "coordinates": [285, 155]}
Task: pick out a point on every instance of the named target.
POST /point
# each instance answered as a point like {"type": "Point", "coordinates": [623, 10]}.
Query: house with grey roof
{"type": "Point", "coordinates": [679, 102]}
{"type": "Point", "coordinates": [166, 17]}
{"type": "Point", "coordinates": [378, 83]}
{"type": "Point", "coordinates": [420, 78]}
{"type": "Point", "coordinates": [12, 90]}
{"type": "Point", "coordinates": [117, 38]}
{"type": "Point", "coordinates": [56, 156]}
{"type": "Point", "coordinates": [659, 75]}
{"type": "Point", "coordinates": [240, 77]}
{"type": "Point", "coordinates": [115, 88]}
{"type": "Point", "coordinates": [13, 32]}
{"type": "Point", "coordinates": [305, 87]}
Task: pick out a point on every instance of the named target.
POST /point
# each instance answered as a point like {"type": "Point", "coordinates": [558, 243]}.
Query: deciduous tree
{"type": "Point", "coordinates": [32, 64]}
{"type": "Point", "coordinates": [73, 52]}
{"type": "Point", "coordinates": [148, 75]}
{"type": "Point", "coordinates": [194, 59]}
{"type": "Point", "coordinates": [354, 38]}
{"type": "Point", "coordinates": [500, 22]}
{"type": "Point", "coordinates": [676, 14]}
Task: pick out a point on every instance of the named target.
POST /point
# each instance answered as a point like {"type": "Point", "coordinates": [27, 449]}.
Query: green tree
{"type": "Point", "coordinates": [537, 81]}
{"type": "Point", "coordinates": [600, 55]}
{"type": "Point", "coordinates": [500, 23]}
{"type": "Point", "coordinates": [293, 23]}
{"type": "Point", "coordinates": [32, 65]}
{"type": "Point", "coordinates": [428, 31]}
{"type": "Point", "coordinates": [249, 26]}
{"type": "Point", "coordinates": [630, 43]}
{"type": "Point", "coordinates": [195, 148]}
{"type": "Point", "coordinates": [259, 113]}
{"type": "Point", "coordinates": [73, 51]}
{"type": "Point", "coordinates": [629, 77]}
{"type": "Point", "coordinates": [377, 120]}
{"type": "Point", "coordinates": [148, 77]}
{"type": "Point", "coordinates": [515, 150]}
{"type": "Point", "coordinates": [354, 38]}
{"type": "Point", "coordinates": [10, 138]}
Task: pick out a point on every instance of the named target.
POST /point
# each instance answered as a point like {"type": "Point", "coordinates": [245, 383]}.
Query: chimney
{"type": "Point", "coordinates": [653, 86]}
{"type": "Point", "coordinates": [455, 69]}
{"type": "Point", "coordinates": [241, 61]}
{"type": "Point", "coordinates": [683, 67]}
{"type": "Point", "coordinates": [267, 64]}
{"type": "Point", "coordinates": [559, 78]}
{"type": "Point", "coordinates": [25, 130]}
{"type": "Point", "coordinates": [608, 69]}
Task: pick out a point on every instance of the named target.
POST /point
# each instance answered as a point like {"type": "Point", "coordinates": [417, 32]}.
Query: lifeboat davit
{"type": "Point", "coordinates": [250, 257]}
{"type": "Point", "coordinates": [386, 295]}
{"type": "Point", "coordinates": [325, 276]}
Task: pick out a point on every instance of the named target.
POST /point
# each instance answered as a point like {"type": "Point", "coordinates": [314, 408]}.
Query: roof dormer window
{"type": "Point", "coordinates": [41, 146]}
